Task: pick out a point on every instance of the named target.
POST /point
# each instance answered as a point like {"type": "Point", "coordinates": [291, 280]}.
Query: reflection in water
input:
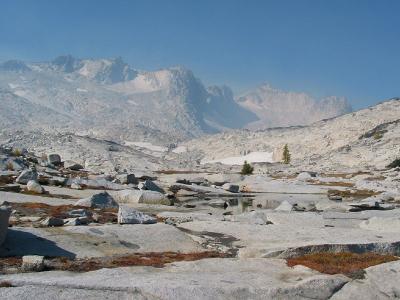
{"type": "Point", "coordinates": [240, 204]}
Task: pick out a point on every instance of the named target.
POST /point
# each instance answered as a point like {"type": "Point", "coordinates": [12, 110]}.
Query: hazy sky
{"type": "Point", "coordinates": [346, 48]}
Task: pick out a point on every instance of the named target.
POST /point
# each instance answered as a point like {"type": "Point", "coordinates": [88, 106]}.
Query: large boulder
{"type": "Point", "coordinates": [150, 186]}
{"type": "Point", "coordinates": [129, 215]}
{"type": "Point", "coordinates": [101, 200]}
{"type": "Point", "coordinates": [27, 175]}
{"type": "Point", "coordinates": [146, 197]}
{"type": "Point", "coordinates": [5, 213]}
{"type": "Point", "coordinates": [34, 187]}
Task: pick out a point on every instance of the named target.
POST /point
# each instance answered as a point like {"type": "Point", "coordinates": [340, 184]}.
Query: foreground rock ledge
{"type": "Point", "coordinates": [204, 279]}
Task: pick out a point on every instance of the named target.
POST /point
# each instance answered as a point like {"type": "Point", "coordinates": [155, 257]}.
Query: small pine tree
{"type": "Point", "coordinates": [247, 169]}
{"type": "Point", "coordinates": [286, 155]}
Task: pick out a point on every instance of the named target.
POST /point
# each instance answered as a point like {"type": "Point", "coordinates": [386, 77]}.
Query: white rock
{"type": "Point", "coordinates": [129, 215]}
{"type": "Point", "coordinates": [150, 186]}
{"type": "Point", "coordinates": [32, 263]}
{"type": "Point", "coordinates": [75, 186]}
{"type": "Point", "coordinates": [35, 187]}
{"type": "Point", "coordinates": [304, 176]}
{"type": "Point", "coordinates": [146, 197]}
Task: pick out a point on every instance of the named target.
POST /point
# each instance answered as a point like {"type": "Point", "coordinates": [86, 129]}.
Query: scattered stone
{"type": "Point", "coordinates": [126, 179]}
{"type": "Point", "coordinates": [52, 222]}
{"type": "Point", "coordinates": [304, 207]}
{"type": "Point", "coordinates": [71, 165]}
{"type": "Point", "coordinates": [335, 198]}
{"type": "Point", "coordinates": [150, 186]}
{"type": "Point", "coordinates": [32, 263]}
{"type": "Point", "coordinates": [101, 200]}
{"type": "Point", "coordinates": [79, 213]}
{"type": "Point", "coordinates": [76, 186]}
{"type": "Point", "coordinates": [57, 181]}
{"type": "Point", "coordinates": [76, 221]}
{"type": "Point", "coordinates": [34, 187]}
{"type": "Point", "coordinates": [27, 175]}
{"type": "Point", "coordinates": [54, 159]}
{"type": "Point", "coordinates": [234, 188]}
{"type": "Point", "coordinates": [5, 213]}
{"type": "Point", "coordinates": [128, 215]}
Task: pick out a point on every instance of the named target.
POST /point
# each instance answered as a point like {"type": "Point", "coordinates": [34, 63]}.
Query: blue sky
{"type": "Point", "coordinates": [341, 47]}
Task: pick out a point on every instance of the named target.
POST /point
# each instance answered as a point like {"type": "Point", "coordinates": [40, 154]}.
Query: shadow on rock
{"type": "Point", "coordinates": [20, 243]}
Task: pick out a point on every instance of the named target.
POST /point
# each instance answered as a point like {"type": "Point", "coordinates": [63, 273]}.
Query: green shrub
{"type": "Point", "coordinates": [16, 152]}
{"type": "Point", "coordinates": [377, 135]}
{"type": "Point", "coordinates": [247, 169]}
{"type": "Point", "coordinates": [10, 166]}
{"type": "Point", "coordinates": [286, 155]}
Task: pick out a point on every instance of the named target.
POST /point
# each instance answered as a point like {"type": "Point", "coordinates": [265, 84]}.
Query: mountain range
{"type": "Point", "coordinates": [108, 98]}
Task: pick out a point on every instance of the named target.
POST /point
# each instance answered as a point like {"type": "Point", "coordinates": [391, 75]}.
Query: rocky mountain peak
{"type": "Point", "coordinates": [14, 66]}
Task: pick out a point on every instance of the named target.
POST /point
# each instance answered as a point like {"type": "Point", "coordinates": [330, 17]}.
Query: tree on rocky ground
{"type": "Point", "coordinates": [286, 155]}
{"type": "Point", "coordinates": [247, 169]}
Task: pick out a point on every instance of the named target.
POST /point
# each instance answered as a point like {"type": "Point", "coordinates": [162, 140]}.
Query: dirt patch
{"type": "Point", "coordinates": [375, 178]}
{"type": "Point", "coordinates": [152, 259]}
{"type": "Point", "coordinates": [5, 284]}
{"type": "Point", "coordinates": [358, 194]}
{"type": "Point", "coordinates": [47, 194]}
{"type": "Point", "coordinates": [34, 209]}
{"type": "Point", "coordinates": [345, 175]}
{"type": "Point", "coordinates": [347, 263]}
{"type": "Point", "coordinates": [8, 262]}
{"type": "Point", "coordinates": [283, 176]}
{"type": "Point", "coordinates": [332, 183]}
